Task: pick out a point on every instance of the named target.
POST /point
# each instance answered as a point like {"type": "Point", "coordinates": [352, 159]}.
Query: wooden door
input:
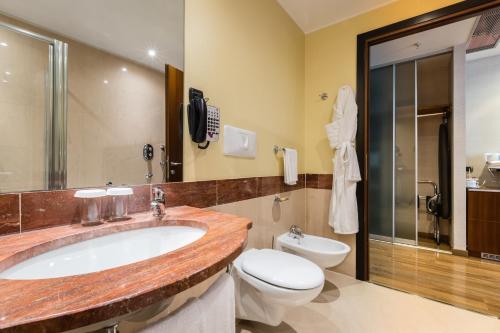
{"type": "Point", "coordinates": [174, 94]}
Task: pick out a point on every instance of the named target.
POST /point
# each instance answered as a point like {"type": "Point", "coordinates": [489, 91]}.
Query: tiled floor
{"type": "Point", "coordinates": [347, 305]}
{"type": "Point", "coordinates": [466, 282]}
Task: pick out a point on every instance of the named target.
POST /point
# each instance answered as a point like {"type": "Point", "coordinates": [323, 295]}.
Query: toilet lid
{"type": "Point", "coordinates": [283, 269]}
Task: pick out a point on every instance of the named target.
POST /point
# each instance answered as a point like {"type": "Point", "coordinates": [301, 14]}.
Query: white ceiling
{"type": "Point", "coordinates": [431, 41]}
{"type": "Point", "coordinates": [484, 53]}
{"type": "Point", "coordinates": [311, 15]}
{"type": "Point", "coordinates": [122, 27]}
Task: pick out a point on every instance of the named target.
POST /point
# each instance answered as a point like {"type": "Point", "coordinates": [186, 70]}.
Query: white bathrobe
{"type": "Point", "coordinates": [342, 134]}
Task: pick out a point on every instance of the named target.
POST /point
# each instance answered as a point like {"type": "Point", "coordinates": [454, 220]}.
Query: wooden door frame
{"type": "Point", "coordinates": [174, 95]}
{"type": "Point", "coordinates": [434, 19]}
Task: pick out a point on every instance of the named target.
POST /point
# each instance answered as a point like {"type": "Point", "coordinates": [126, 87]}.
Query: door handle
{"type": "Point", "coordinates": [175, 163]}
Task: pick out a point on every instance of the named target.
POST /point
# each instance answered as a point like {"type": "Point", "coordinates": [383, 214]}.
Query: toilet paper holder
{"type": "Point", "coordinates": [278, 198]}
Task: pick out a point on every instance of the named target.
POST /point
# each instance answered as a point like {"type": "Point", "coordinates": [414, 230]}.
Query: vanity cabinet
{"type": "Point", "coordinates": [483, 222]}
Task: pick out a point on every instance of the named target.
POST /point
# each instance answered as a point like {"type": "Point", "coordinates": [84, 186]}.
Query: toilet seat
{"type": "Point", "coordinates": [282, 269]}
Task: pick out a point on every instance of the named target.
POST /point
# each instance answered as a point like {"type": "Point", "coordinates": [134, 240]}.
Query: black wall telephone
{"type": "Point", "coordinates": [203, 120]}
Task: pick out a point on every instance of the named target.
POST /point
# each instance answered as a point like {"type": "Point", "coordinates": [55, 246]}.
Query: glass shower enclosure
{"type": "Point", "coordinates": [33, 108]}
{"type": "Point", "coordinates": [392, 189]}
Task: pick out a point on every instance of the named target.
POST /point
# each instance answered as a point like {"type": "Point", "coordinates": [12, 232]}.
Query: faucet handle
{"type": "Point", "coordinates": [158, 195]}
{"type": "Point", "coordinates": [158, 203]}
{"type": "Point", "coordinates": [156, 208]}
{"type": "Point", "coordinates": [295, 231]}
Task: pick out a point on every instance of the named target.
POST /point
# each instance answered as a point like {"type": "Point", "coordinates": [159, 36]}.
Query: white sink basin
{"type": "Point", "coordinates": [104, 252]}
{"type": "Point", "coordinates": [324, 252]}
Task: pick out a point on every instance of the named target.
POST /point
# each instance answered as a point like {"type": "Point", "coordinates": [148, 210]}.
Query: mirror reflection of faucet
{"type": "Point", "coordinates": [158, 203]}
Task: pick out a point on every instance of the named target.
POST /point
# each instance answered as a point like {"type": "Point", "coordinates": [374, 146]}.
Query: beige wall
{"type": "Point", "coordinates": [331, 62]}
{"type": "Point", "coordinates": [269, 218]}
{"type": "Point", "coordinates": [108, 124]}
{"type": "Point", "coordinates": [248, 58]}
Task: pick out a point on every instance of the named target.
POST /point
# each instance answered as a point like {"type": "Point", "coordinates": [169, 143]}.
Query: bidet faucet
{"type": "Point", "coordinates": [295, 232]}
{"type": "Point", "coordinates": [158, 203]}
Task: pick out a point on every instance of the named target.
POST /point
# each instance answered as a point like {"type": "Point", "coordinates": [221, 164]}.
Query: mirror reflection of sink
{"type": "Point", "coordinates": [105, 252]}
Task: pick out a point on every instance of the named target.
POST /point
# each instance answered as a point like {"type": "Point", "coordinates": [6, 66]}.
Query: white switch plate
{"type": "Point", "coordinates": [239, 142]}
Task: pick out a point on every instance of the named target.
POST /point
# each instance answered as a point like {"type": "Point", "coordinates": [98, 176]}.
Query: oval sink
{"type": "Point", "coordinates": [101, 253]}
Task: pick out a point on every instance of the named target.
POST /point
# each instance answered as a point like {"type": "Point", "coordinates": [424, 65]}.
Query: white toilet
{"type": "Point", "coordinates": [269, 282]}
{"type": "Point", "coordinates": [324, 252]}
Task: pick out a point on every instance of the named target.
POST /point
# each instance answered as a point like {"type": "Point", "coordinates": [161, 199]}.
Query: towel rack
{"type": "Point", "coordinates": [277, 149]}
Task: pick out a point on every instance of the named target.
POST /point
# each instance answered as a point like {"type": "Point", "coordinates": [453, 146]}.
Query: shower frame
{"type": "Point", "coordinates": [56, 109]}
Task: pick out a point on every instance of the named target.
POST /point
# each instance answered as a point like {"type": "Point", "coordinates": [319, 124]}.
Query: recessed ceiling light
{"type": "Point", "coordinates": [4, 44]}
{"type": "Point", "coordinates": [7, 73]}
{"type": "Point", "coordinates": [105, 81]}
{"type": "Point", "coordinates": [124, 69]}
{"type": "Point", "coordinates": [151, 53]}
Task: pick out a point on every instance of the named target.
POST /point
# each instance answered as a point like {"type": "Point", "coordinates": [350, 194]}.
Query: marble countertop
{"type": "Point", "coordinates": [60, 304]}
{"type": "Point", "coordinates": [484, 189]}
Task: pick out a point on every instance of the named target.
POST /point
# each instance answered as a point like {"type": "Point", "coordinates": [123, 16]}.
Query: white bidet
{"type": "Point", "coordinates": [324, 252]}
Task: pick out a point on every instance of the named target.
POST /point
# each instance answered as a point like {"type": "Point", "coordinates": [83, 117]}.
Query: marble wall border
{"type": "Point", "coordinates": [26, 211]}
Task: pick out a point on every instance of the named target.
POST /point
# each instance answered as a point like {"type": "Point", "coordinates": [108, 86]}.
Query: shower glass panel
{"type": "Point", "coordinates": [392, 208]}
{"type": "Point", "coordinates": [24, 98]}
{"type": "Point", "coordinates": [405, 173]}
{"type": "Point", "coordinates": [32, 111]}
{"type": "Point", "coordinates": [380, 189]}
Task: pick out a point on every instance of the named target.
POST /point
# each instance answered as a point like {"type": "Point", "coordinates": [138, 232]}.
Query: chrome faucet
{"type": "Point", "coordinates": [295, 232]}
{"type": "Point", "coordinates": [158, 203]}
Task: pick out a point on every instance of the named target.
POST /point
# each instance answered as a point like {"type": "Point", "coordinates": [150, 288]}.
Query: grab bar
{"type": "Point", "coordinates": [429, 182]}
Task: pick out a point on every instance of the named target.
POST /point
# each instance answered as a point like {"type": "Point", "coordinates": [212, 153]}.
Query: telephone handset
{"type": "Point", "coordinates": [203, 120]}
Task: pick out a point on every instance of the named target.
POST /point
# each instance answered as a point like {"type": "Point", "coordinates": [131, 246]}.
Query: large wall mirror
{"type": "Point", "coordinates": [90, 93]}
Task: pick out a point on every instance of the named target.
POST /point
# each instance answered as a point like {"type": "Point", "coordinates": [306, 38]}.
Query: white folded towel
{"type": "Point", "coordinates": [290, 161]}
{"type": "Point", "coordinates": [213, 312]}
{"type": "Point", "coordinates": [218, 305]}
{"type": "Point", "coordinates": [185, 319]}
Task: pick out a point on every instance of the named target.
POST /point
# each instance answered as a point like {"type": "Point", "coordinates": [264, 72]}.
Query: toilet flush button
{"type": "Point", "coordinates": [239, 142]}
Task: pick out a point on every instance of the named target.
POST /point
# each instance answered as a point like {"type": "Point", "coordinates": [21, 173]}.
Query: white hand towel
{"type": "Point", "coordinates": [185, 319]}
{"type": "Point", "coordinates": [290, 161]}
{"type": "Point", "coordinates": [213, 312]}
{"type": "Point", "coordinates": [218, 304]}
